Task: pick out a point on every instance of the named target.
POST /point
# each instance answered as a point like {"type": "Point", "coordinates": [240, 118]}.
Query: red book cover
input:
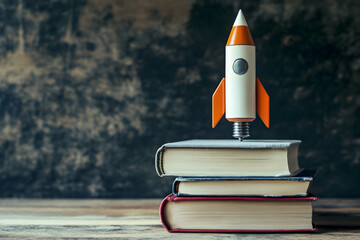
{"type": "Point", "coordinates": [173, 198]}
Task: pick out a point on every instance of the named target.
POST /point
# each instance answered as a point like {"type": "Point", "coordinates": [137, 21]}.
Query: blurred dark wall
{"type": "Point", "coordinates": [90, 89]}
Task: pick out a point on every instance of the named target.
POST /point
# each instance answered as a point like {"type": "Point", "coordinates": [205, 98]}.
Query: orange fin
{"type": "Point", "coordinates": [262, 103]}
{"type": "Point", "coordinates": [218, 103]}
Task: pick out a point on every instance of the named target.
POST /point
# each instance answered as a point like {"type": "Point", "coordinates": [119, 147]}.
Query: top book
{"type": "Point", "coordinates": [218, 158]}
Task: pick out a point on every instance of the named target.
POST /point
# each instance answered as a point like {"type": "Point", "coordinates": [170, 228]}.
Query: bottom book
{"type": "Point", "coordinates": [237, 214]}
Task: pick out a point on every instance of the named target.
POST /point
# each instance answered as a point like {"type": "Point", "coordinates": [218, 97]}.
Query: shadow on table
{"type": "Point", "coordinates": [325, 221]}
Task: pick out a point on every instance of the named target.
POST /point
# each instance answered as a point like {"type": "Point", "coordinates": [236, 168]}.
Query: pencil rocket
{"type": "Point", "coordinates": [240, 94]}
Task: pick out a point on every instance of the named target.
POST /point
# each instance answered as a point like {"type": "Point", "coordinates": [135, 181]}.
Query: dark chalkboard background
{"type": "Point", "coordinates": [90, 89]}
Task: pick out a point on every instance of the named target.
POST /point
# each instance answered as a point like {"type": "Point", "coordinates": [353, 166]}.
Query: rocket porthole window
{"type": "Point", "coordinates": [240, 66]}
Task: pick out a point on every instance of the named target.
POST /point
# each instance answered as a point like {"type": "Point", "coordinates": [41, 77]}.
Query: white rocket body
{"type": "Point", "coordinates": [240, 98]}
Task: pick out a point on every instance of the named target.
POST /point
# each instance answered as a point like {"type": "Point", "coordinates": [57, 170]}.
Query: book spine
{"type": "Point", "coordinates": [161, 211]}
{"type": "Point", "coordinates": [175, 187]}
{"type": "Point", "coordinates": [159, 161]}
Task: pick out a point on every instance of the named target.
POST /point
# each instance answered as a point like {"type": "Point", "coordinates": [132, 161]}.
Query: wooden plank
{"type": "Point", "coordinates": [78, 218]}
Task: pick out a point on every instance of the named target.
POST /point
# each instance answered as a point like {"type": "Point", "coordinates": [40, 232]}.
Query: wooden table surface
{"type": "Point", "coordinates": [138, 219]}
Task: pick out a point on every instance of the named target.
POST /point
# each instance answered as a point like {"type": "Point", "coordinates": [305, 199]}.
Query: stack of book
{"type": "Point", "coordinates": [235, 186]}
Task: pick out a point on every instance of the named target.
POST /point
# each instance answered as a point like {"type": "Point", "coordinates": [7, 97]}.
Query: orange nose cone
{"type": "Point", "coordinates": [240, 33]}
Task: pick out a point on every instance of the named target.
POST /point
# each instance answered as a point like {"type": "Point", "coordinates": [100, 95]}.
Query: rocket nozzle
{"type": "Point", "coordinates": [241, 130]}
